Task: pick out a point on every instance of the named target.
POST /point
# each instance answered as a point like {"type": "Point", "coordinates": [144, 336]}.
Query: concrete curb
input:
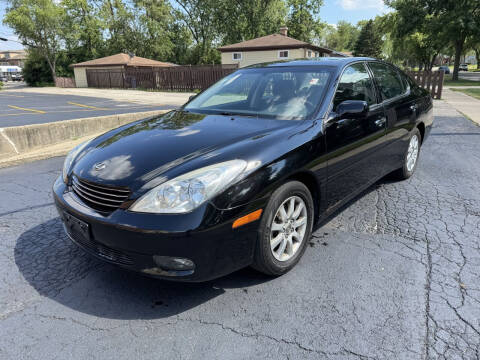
{"type": "Point", "coordinates": [52, 139]}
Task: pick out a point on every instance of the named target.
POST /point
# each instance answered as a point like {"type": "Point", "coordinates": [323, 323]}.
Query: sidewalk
{"type": "Point", "coordinates": [467, 105]}
{"type": "Point", "coordinates": [135, 96]}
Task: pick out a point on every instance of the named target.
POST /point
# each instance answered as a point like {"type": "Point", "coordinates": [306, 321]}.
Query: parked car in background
{"type": "Point", "coordinates": [241, 174]}
{"type": "Point", "coordinates": [17, 77]}
{"type": "Point", "coordinates": [3, 78]}
{"type": "Point", "coordinates": [445, 69]}
{"type": "Point", "coordinates": [463, 67]}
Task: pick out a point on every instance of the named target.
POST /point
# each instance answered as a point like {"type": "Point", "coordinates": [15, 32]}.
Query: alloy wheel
{"type": "Point", "coordinates": [288, 228]}
{"type": "Point", "coordinates": [412, 153]}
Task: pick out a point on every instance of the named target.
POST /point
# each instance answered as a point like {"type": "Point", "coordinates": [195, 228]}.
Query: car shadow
{"type": "Point", "coordinates": [59, 270]}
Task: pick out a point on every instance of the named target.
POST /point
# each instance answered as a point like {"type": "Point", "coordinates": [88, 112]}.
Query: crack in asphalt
{"type": "Point", "coordinates": [430, 222]}
{"type": "Point", "coordinates": [26, 208]}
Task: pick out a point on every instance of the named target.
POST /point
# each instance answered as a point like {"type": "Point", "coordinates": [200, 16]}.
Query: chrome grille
{"type": "Point", "coordinates": [99, 197]}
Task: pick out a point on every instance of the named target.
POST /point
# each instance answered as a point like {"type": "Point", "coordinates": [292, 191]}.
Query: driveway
{"type": "Point", "coordinates": [395, 275]}
{"type": "Point", "coordinates": [23, 107]}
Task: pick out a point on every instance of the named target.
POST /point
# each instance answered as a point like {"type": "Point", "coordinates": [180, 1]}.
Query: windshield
{"type": "Point", "coordinates": [281, 93]}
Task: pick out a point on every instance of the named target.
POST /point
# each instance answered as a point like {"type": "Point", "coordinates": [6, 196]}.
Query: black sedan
{"type": "Point", "coordinates": [241, 174]}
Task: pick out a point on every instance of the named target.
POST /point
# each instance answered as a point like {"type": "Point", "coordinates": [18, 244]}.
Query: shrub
{"type": "Point", "coordinates": [36, 71]}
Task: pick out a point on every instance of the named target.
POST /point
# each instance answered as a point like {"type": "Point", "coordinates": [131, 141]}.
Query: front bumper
{"type": "Point", "coordinates": [130, 240]}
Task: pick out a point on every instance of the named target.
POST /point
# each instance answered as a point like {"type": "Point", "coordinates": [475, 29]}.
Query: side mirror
{"type": "Point", "coordinates": [352, 109]}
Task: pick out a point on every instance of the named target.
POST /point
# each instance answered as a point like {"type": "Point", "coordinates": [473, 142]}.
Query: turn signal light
{"type": "Point", "coordinates": [247, 219]}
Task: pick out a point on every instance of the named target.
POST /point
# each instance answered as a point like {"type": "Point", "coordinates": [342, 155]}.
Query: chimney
{"type": "Point", "coordinates": [284, 30]}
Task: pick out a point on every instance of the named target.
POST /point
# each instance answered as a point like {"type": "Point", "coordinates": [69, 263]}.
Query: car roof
{"type": "Point", "coordinates": [338, 62]}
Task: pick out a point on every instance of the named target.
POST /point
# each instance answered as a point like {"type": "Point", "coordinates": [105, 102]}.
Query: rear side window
{"type": "Point", "coordinates": [355, 84]}
{"type": "Point", "coordinates": [388, 80]}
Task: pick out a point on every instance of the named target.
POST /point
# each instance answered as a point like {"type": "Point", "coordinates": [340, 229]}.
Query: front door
{"type": "Point", "coordinates": [354, 144]}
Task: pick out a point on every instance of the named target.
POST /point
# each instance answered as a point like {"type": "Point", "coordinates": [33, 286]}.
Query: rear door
{"type": "Point", "coordinates": [353, 144]}
{"type": "Point", "coordinates": [400, 106]}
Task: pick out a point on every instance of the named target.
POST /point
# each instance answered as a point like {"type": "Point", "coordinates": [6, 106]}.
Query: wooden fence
{"type": "Point", "coordinates": [65, 82]}
{"type": "Point", "coordinates": [429, 80]}
{"type": "Point", "coordinates": [175, 78]}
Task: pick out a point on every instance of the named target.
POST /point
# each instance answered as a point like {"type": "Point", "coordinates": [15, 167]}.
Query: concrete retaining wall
{"type": "Point", "coordinates": [23, 139]}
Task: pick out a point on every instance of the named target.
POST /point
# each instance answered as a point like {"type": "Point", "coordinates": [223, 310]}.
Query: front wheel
{"type": "Point", "coordinates": [285, 229]}
{"type": "Point", "coordinates": [411, 157]}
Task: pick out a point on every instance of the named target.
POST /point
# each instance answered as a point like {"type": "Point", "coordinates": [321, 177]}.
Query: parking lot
{"type": "Point", "coordinates": [25, 108]}
{"type": "Point", "coordinates": [394, 275]}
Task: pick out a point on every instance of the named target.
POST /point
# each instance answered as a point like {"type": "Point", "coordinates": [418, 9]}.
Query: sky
{"type": "Point", "coordinates": [332, 11]}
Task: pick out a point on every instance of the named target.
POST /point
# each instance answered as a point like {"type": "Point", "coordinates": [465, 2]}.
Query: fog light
{"type": "Point", "coordinates": [172, 263]}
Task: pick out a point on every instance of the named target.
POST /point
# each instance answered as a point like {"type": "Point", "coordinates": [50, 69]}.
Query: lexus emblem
{"type": "Point", "coordinates": [99, 166]}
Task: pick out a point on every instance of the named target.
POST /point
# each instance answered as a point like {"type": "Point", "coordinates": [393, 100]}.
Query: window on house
{"type": "Point", "coordinates": [237, 56]}
{"type": "Point", "coordinates": [283, 54]}
{"type": "Point", "coordinates": [309, 53]}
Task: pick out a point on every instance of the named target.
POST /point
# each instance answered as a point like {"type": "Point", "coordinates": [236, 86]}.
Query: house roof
{"type": "Point", "coordinates": [122, 60]}
{"type": "Point", "coordinates": [271, 42]}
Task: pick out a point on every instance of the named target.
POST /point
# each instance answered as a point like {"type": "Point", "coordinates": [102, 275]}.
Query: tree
{"type": "Point", "coordinates": [303, 19]}
{"type": "Point", "coordinates": [369, 42]}
{"type": "Point", "coordinates": [199, 17]}
{"type": "Point", "coordinates": [123, 31]}
{"type": "Point", "coordinates": [342, 37]}
{"type": "Point", "coordinates": [36, 70]}
{"type": "Point", "coordinates": [253, 18]}
{"type": "Point", "coordinates": [454, 21]}
{"type": "Point", "coordinates": [155, 19]}
{"type": "Point", "coordinates": [38, 24]}
{"type": "Point", "coordinates": [473, 43]}
{"type": "Point", "coordinates": [82, 30]}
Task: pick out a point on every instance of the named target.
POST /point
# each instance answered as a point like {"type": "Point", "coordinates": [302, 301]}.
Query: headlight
{"type": "Point", "coordinates": [187, 192]}
{"type": "Point", "coordinates": [67, 164]}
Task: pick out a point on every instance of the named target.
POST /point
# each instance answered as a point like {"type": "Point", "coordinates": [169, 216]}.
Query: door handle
{"type": "Point", "coordinates": [381, 121]}
{"type": "Point", "coordinates": [342, 123]}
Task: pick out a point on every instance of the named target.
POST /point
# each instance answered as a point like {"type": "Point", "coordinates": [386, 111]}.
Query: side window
{"type": "Point", "coordinates": [388, 80]}
{"type": "Point", "coordinates": [355, 84]}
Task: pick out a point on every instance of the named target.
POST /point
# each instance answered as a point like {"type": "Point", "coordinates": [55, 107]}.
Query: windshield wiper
{"type": "Point", "coordinates": [228, 113]}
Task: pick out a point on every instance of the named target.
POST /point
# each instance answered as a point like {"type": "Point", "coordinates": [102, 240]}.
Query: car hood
{"type": "Point", "coordinates": [136, 153]}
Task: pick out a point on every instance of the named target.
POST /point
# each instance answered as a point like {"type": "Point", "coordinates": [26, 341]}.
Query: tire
{"type": "Point", "coordinates": [265, 260]}
{"type": "Point", "coordinates": [406, 171]}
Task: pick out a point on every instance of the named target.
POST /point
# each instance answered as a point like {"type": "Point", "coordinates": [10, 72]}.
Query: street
{"type": "Point", "coordinates": [393, 275]}
{"type": "Point", "coordinates": [26, 108]}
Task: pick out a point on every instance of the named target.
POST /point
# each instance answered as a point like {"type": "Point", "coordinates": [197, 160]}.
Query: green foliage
{"type": "Point", "coordinates": [248, 19]}
{"type": "Point", "coordinates": [369, 41]}
{"type": "Point", "coordinates": [303, 19]}
{"type": "Point", "coordinates": [445, 23]}
{"type": "Point", "coordinates": [36, 71]}
{"type": "Point", "coordinates": [38, 23]}
{"type": "Point", "coordinates": [342, 37]}
{"type": "Point", "coordinates": [1, 85]}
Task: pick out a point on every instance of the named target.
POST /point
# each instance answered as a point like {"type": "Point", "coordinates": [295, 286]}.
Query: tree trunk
{"type": "Point", "coordinates": [458, 53]}
{"type": "Point", "coordinates": [433, 61]}
{"type": "Point", "coordinates": [477, 56]}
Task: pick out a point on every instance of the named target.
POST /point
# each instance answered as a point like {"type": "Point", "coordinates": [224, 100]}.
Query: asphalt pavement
{"type": "Point", "coordinates": [25, 108]}
{"type": "Point", "coordinates": [393, 275]}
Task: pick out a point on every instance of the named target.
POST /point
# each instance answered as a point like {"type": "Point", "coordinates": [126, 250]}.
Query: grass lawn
{"type": "Point", "coordinates": [472, 92]}
{"type": "Point", "coordinates": [460, 82]}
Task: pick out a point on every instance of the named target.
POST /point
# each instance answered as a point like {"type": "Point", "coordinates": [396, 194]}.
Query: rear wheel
{"type": "Point", "coordinates": [411, 156]}
{"type": "Point", "coordinates": [285, 229]}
